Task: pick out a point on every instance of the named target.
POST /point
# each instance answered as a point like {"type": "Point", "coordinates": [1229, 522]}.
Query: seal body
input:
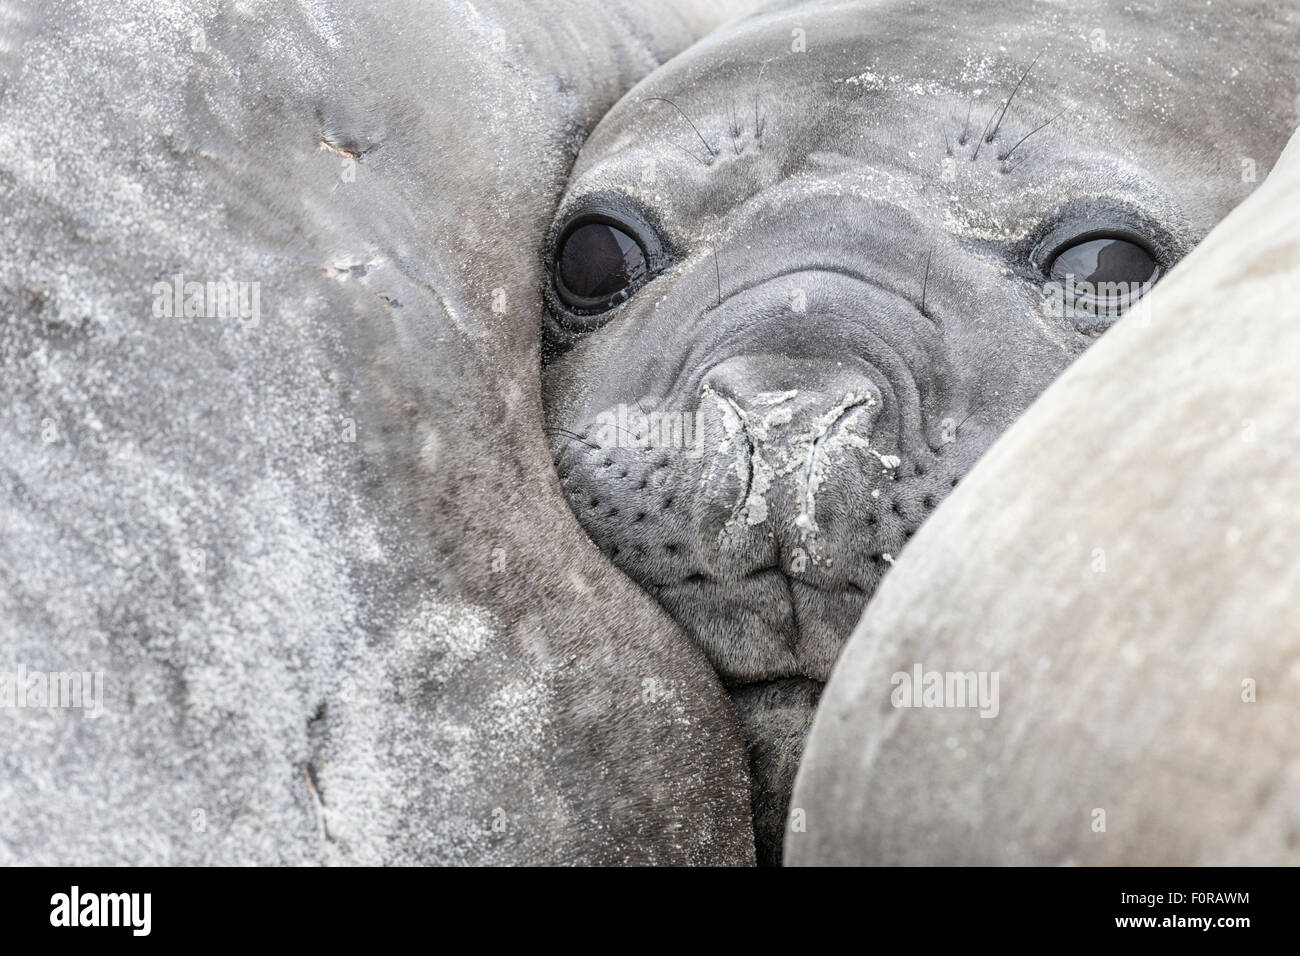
{"type": "Point", "coordinates": [340, 614]}
{"type": "Point", "coordinates": [848, 222]}
{"type": "Point", "coordinates": [1144, 644]}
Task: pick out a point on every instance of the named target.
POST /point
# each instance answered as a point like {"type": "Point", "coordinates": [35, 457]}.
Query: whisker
{"type": "Point", "coordinates": [1028, 154]}
{"type": "Point", "coordinates": [981, 141]}
{"type": "Point", "coordinates": [707, 144]}
{"type": "Point", "coordinates": [632, 435]}
{"type": "Point", "coordinates": [1014, 91]}
{"type": "Point", "coordinates": [985, 404]}
{"type": "Point", "coordinates": [978, 409]}
{"type": "Point", "coordinates": [702, 162]}
{"type": "Point", "coordinates": [572, 436]}
{"type": "Point", "coordinates": [1007, 154]}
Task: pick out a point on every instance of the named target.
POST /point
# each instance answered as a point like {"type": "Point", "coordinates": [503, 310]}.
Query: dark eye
{"type": "Point", "coordinates": [598, 266]}
{"type": "Point", "coordinates": [1106, 259]}
{"type": "Point", "coordinates": [1103, 275]}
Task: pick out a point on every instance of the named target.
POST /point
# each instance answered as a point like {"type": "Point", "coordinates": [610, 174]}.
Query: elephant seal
{"type": "Point", "coordinates": [1143, 647]}
{"type": "Point", "coordinates": [341, 613]}
{"type": "Point", "coordinates": [806, 273]}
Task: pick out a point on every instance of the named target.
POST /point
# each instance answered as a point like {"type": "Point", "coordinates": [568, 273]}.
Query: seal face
{"type": "Point", "coordinates": [793, 298]}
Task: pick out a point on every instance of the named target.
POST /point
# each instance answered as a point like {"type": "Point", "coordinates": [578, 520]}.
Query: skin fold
{"type": "Point", "coordinates": [318, 552]}
{"type": "Point", "coordinates": [1144, 646]}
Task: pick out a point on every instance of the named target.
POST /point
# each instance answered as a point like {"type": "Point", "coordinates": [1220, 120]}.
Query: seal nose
{"type": "Point", "coordinates": [803, 390]}
{"type": "Point", "coordinates": [789, 432]}
{"type": "Point", "coordinates": [789, 399]}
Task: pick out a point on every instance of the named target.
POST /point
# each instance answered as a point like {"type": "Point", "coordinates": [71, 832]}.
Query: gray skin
{"type": "Point", "coordinates": [849, 245]}
{"type": "Point", "coordinates": [342, 610]}
{"type": "Point", "coordinates": [1143, 630]}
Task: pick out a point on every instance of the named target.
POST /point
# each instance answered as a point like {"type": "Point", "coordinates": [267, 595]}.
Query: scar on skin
{"type": "Point", "coordinates": [339, 151]}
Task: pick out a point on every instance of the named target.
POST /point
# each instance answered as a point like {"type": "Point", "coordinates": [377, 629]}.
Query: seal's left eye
{"type": "Point", "coordinates": [1107, 259]}
{"type": "Point", "coordinates": [598, 266]}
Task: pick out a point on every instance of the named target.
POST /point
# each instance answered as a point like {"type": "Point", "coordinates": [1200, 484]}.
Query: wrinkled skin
{"type": "Point", "coordinates": [1145, 642]}
{"type": "Point", "coordinates": [343, 612]}
{"type": "Point", "coordinates": [848, 291]}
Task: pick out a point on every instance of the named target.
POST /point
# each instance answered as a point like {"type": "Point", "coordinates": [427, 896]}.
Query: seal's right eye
{"type": "Point", "coordinates": [598, 266]}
